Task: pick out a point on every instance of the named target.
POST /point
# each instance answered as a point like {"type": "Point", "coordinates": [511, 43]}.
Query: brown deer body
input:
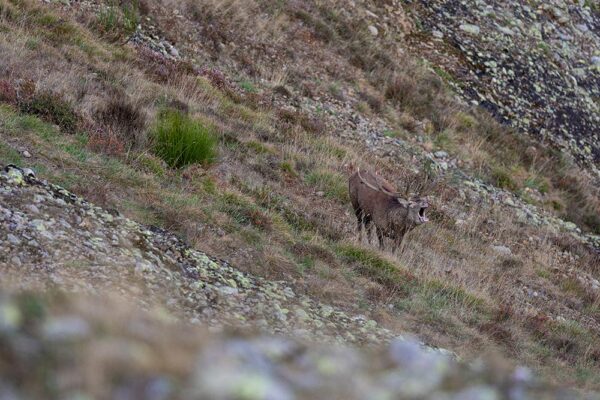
{"type": "Point", "coordinates": [376, 202]}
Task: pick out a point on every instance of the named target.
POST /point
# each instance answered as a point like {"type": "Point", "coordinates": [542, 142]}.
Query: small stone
{"type": "Point", "coordinates": [437, 34]}
{"type": "Point", "coordinates": [470, 28]}
{"type": "Point", "coordinates": [10, 317]}
{"type": "Point", "coordinates": [26, 154]}
{"type": "Point", "coordinates": [596, 60]}
{"type": "Point", "coordinates": [502, 250]}
{"type": "Point", "coordinates": [301, 314]}
{"type": "Point", "coordinates": [478, 393]}
{"type": "Point", "coordinates": [440, 154]}
{"type": "Point", "coordinates": [326, 311]}
{"type": "Point", "coordinates": [373, 30]}
{"type": "Point", "coordinates": [32, 208]}
{"type": "Point", "coordinates": [12, 239]}
{"type": "Point", "coordinates": [16, 261]}
{"type": "Point", "coordinates": [66, 329]}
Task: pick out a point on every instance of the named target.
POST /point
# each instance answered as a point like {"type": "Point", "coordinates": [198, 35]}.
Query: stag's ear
{"type": "Point", "coordinates": [403, 202]}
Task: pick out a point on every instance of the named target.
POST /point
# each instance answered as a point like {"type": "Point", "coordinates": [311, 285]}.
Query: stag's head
{"type": "Point", "coordinates": [416, 205]}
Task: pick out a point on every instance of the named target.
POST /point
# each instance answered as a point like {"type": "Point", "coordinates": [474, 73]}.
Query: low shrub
{"type": "Point", "coordinates": [52, 108]}
{"type": "Point", "coordinates": [124, 119]}
{"type": "Point", "coordinates": [8, 92]}
{"type": "Point", "coordinates": [180, 140]}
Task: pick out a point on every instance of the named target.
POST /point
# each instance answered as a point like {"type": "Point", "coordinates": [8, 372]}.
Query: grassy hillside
{"type": "Point", "coordinates": [288, 98]}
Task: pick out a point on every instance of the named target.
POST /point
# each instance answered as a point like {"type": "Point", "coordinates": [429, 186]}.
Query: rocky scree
{"type": "Point", "coordinates": [533, 65]}
{"type": "Point", "coordinates": [52, 238]}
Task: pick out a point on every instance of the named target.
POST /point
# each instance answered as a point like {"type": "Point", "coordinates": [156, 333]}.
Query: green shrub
{"type": "Point", "coordinates": [53, 108]}
{"type": "Point", "coordinates": [181, 140]}
{"type": "Point", "coordinates": [502, 177]}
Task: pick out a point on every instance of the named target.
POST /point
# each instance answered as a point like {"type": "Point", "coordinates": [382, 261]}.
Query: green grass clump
{"type": "Point", "coordinates": [248, 87]}
{"type": "Point", "coordinates": [180, 140]}
{"type": "Point", "coordinates": [119, 19]}
{"type": "Point", "coordinates": [369, 264]}
{"type": "Point", "coordinates": [502, 177]}
{"type": "Point", "coordinates": [332, 184]}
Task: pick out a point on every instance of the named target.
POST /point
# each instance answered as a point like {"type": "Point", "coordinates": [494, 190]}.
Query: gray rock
{"type": "Point", "coordinates": [16, 261]}
{"type": "Point", "coordinates": [66, 328]}
{"type": "Point", "coordinates": [502, 250]}
{"type": "Point", "coordinates": [437, 34]}
{"type": "Point", "coordinates": [470, 28]}
{"type": "Point", "coordinates": [12, 239]}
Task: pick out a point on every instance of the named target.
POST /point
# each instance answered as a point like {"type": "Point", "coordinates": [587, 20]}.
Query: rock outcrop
{"type": "Point", "coordinates": [533, 65]}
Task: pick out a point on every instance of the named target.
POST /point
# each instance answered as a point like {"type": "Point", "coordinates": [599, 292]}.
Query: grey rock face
{"type": "Point", "coordinates": [525, 64]}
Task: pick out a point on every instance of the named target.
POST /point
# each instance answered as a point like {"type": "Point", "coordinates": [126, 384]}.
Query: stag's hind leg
{"type": "Point", "coordinates": [359, 217]}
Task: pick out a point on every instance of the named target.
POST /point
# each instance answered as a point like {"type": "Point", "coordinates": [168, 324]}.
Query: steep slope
{"type": "Point", "coordinates": [534, 65]}
{"type": "Point", "coordinates": [298, 93]}
{"type": "Point", "coordinates": [56, 239]}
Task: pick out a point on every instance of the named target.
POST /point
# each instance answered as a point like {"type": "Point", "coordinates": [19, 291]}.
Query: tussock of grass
{"type": "Point", "coordinates": [181, 140]}
{"type": "Point", "coordinates": [370, 264]}
{"type": "Point", "coordinates": [118, 18]}
{"type": "Point", "coordinates": [332, 184]}
{"type": "Point", "coordinates": [243, 211]}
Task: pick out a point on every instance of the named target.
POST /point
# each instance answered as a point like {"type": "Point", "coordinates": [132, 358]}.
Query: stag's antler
{"type": "Point", "coordinates": [379, 188]}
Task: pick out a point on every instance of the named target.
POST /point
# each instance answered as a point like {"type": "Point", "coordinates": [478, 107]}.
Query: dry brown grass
{"type": "Point", "coordinates": [259, 206]}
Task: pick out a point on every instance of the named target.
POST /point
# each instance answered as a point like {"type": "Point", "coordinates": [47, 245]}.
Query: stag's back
{"type": "Point", "coordinates": [370, 201]}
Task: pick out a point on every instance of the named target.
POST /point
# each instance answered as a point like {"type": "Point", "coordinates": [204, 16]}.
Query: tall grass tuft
{"type": "Point", "coordinates": [181, 140]}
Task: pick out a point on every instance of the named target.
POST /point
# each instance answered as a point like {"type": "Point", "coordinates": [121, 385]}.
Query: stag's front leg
{"type": "Point", "coordinates": [369, 227]}
{"type": "Point", "coordinates": [398, 243]}
{"type": "Point", "coordinates": [380, 237]}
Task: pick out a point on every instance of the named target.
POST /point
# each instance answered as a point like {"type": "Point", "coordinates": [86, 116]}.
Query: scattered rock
{"type": "Point", "coordinates": [469, 28]}
{"type": "Point", "coordinates": [502, 250]}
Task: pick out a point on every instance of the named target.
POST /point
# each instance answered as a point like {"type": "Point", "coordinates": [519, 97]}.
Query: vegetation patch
{"type": "Point", "coordinates": [369, 263]}
{"type": "Point", "coordinates": [180, 140]}
{"type": "Point", "coordinates": [52, 108]}
{"type": "Point", "coordinates": [124, 119]}
{"type": "Point", "coordinates": [334, 185]}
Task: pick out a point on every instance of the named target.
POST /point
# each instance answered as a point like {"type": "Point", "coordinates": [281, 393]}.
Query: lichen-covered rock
{"type": "Point", "coordinates": [67, 240]}
{"type": "Point", "coordinates": [69, 346]}
{"type": "Point", "coordinates": [533, 64]}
